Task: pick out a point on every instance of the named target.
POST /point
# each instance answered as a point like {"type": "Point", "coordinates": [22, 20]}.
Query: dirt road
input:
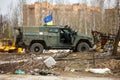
{"type": "Point", "coordinates": [30, 77]}
{"type": "Point", "coordinates": [72, 65]}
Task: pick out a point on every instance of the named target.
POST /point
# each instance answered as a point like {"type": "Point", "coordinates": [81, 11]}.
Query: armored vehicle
{"type": "Point", "coordinates": [36, 39]}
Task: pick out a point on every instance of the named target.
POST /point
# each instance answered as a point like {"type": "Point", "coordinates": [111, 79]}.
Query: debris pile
{"type": "Point", "coordinates": [113, 65]}
{"type": "Point", "coordinates": [99, 70]}
{"type": "Point", "coordinates": [104, 42]}
{"type": "Point", "coordinates": [31, 62]}
{"type": "Point", "coordinates": [52, 64]}
{"type": "Point", "coordinates": [44, 73]}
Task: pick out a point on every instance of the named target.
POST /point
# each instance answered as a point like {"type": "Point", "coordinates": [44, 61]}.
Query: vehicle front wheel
{"type": "Point", "coordinates": [83, 46]}
{"type": "Point", "coordinates": [36, 48]}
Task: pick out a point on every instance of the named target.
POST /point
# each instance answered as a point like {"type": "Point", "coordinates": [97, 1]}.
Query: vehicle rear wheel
{"type": "Point", "coordinates": [36, 48]}
{"type": "Point", "coordinates": [83, 46]}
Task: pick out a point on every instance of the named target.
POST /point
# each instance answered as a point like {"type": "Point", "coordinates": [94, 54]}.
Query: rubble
{"type": "Point", "coordinates": [12, 62]}
{"type": "Point", "coordinates": [44, 73]}
{"type": "Point", "coordinates": [103, 42]}
{"type": "Point", "coordinates": [119, 44]}
{"type": "Point", "coordinates": [19, 71]}
{"type": "Point", "coordinates": [108, 53]}
{"type": "Point", "coordinates": [99, 70]}
{"type": "Point", "coordinates": [68, 62]}
{"type": "Point", "coordinates": [56, 51]}
{"type": "Point", "coordinates": [49, 62]}
{"type": "Point", "coordinates": [111, 64]}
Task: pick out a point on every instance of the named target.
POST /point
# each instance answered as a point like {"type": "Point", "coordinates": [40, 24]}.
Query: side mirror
{"type": "Point", "coordinates": [75, 33]}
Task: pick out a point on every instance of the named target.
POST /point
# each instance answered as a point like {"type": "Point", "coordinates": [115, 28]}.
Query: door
{"type": "Point", "coordinates": [65, 38]}
{"type": "Point", "coordinates": [52, 37]}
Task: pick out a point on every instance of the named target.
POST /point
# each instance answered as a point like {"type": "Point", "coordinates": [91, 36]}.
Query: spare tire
{"type": "Point", "coordinates": [83, 46]}
{"type": "Point", "coordinates": [36, 48]}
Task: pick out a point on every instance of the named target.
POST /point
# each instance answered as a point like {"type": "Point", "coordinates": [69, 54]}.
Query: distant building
{"type": "Point", "coordinates": [33, 14]}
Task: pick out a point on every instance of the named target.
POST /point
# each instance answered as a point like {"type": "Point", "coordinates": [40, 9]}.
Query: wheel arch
{"type": "Point", "coordinates": [84, 40]}
{"type": "Point", "coordinates": [38, 41]}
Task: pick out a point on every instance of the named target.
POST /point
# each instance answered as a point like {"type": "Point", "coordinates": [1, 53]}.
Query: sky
{"type": "Point", "coordinates": [5, 4]}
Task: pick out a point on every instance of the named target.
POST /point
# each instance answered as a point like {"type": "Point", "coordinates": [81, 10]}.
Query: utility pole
{"type": "Point", "coordinates": [118, 34]}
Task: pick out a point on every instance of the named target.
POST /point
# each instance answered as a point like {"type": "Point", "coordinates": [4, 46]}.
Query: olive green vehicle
{"type": "Point", "coordinates": [36, 39]}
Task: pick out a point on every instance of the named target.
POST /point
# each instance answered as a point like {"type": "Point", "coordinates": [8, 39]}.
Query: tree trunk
{"type": "Point", "coordinates": [116, 43]}
{"type": "Point", "coordinates": [118, 34]}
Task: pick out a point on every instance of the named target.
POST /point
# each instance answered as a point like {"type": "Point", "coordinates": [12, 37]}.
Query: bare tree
{"type": "Point", "coordinates": [12, 19]}
{"type": "Point", "coordinates": [21, 3]}
{"type": "Point", "coordinates": [1, 25]}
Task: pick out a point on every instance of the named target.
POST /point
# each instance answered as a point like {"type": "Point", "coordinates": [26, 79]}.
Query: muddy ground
{"type": "Point", "coordinates": [68, 64]}
{"type": "Point", "coordinates": [31, 77]}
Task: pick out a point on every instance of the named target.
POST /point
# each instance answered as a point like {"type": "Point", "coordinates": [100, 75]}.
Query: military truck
{"type": "Point", "coordinates": [36, 39]}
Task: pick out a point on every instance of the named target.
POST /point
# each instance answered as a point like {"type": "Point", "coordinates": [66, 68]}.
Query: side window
{"type": "Point", "coordinates": [53, 30]}
{"type": "Point", "coordinates": [65, 31]}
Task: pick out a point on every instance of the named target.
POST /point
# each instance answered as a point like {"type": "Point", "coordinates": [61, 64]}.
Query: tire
{"type": "Point", "coordinates": [82, 47]}
{"type": "Point", "coordinates": [36, 48]}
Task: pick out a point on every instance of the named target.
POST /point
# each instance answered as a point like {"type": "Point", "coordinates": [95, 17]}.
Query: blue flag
{"type": "Point", "coordinates": [48, 18]}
